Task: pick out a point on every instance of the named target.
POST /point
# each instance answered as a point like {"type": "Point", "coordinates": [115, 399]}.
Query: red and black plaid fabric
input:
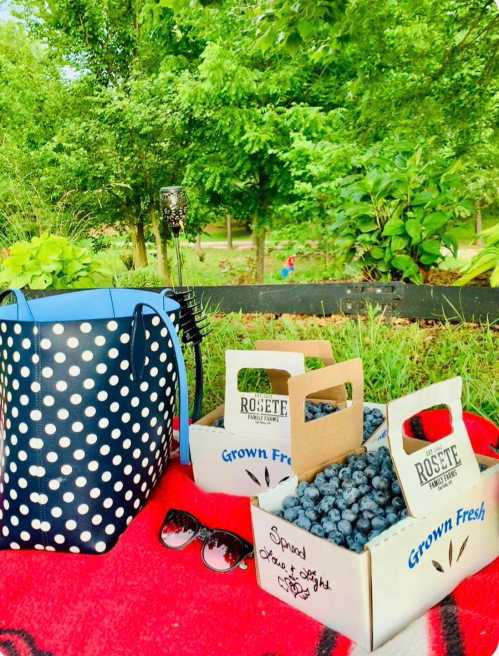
{"type": "Point", "coordinates": [142, 598]}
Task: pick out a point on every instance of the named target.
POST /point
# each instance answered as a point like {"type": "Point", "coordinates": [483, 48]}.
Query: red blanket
{"type": "Point", "coordinates": [142, 598]}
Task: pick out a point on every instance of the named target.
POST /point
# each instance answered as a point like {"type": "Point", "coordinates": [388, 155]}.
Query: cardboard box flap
{"type": "Point", "coordinates": [311, 348]}
{"type": "Point", "coordinates": [316, 442]}
{"type": "Point", "coordinates": [253, 413]}
{"type": "Point", "coordinates": [431, 475]}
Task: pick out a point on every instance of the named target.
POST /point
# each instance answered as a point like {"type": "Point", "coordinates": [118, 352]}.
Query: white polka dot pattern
{"type": "Point", "coordinates": [82, 444]}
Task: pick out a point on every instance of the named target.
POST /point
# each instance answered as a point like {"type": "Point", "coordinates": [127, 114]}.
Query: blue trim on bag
{"type": "Point", "coordinates": [182, 380]}
{"type": "Point", "coordinates": [87, 305]}
{"type": "Point", "coordinates": [99, 304]}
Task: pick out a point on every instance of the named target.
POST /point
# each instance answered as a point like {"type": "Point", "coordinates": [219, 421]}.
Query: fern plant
{"type": "Point", "coordinates": [486, 260]}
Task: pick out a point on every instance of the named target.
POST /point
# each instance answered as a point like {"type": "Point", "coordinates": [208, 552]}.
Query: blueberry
{"type": "Point", "coordinates": [320, 479]}
{"type": "Point", "coordinates": [334, 515]}
{"type": "Point", "coordinates": [358, 536]}
{"type": "Point", "coordinates": [349, 515]}
{"type": "Point", "coordinates": [330, 487]}
{"type": "Point", "coordinates": [381, 498]}
{"type": "Point", "coordinates": [312, 492]}
{"type": "Point", "coordinates": [337, 537]}
{"type": "Point", "coordinates": [396, 488]}
{"type": "Point", "coordinates": [391, 518]}
{"type": "Point", "coordinates": [364, 489]}
{"type": "Point", "coordinates": [303, 522]}
{"type": "Point", "coordinates": [340, 503]}
{"type": "Point", "coordinates": [363, 525]}
{"type": "Point", "coordinates": [345, 472]}
{"type": "Point", "coordinates": [219, 423]}
{"type": "Point", "coordinates": [379, 523]}
{"type": "Point", "coordinates": [290, 514]}
{"type": "Point", "coordinates": [398, 503]}
{"type": "Point", "coordinates": [317, 529]}
{"type": "Point", "coordinates": [350, 496]}
{"type": "Point", "coordinates": [373, 534]}
{"type": "Point", "coordinates": [332, 470]}
{"type": "Point", "coordinates": [368, 514]}
{"type": "Point", "coordinates": [312, 514]}
{"type": "Point", "coordinates": [353, 545]}
{"type": "Point", "coordinates": [403, 513]}
{"type": "Point", "coordinates": [300, 490]}
{"type": "Point", "coordinates": [306, 503]}
{"type": "Point", "coordinates": [328, 525]}
{"type": "Point", "coordinates": [366, 503]}
{"type": "Point", "coordinates": [359, 463]}
{"type": "Point", "coordinates": [290, 502]}
{"type": "Point", "coordinates": [344, 526]}
{"type": "Point", "coordinates": [359, 478]}
{"type": "Point", "coordinates": [347, 483]}
{"type": "Point", "coordinates": [326, 504]}
{"type": "Point", "coordinates": [380, 483]}
{"type": "Point", "coordinates": [370, 471]}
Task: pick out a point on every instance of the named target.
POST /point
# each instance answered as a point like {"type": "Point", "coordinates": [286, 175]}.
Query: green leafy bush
{"type": "Point", "coordinates": [52, 262]}
{"type": "Point", "coordinates": [145, 277]}
{"type": "Point", "coordinates": [486, 260]}
{"type": "Point", "coordinates": [393, 215]}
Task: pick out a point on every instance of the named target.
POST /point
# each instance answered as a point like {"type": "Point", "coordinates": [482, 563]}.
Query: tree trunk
{"type": "Point", "coordinates": [260, 253]}
{"type": "Point", "coordinates": [478, 224]}
{"type": "Point", "coordinates": [161, 238]}
{"type": "Point", "coordinates": [230, 246]}
{"type": "Point", "coordinates": [138, 244]}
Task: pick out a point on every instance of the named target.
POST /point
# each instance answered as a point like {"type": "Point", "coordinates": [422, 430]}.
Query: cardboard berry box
{"type": "Point", "coordinates": [252, 453]}
{"type": "Point", "coordinates": [451, 531]}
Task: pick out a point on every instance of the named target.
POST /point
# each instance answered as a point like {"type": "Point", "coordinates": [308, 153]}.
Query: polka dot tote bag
{"type": "Point", "coordinates": [88, 389]}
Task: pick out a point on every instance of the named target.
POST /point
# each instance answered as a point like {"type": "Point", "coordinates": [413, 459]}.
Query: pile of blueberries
{"type": "Point", "coordinates": [351, 503]}
{"type": "Point", "coordinates": [373, 418]}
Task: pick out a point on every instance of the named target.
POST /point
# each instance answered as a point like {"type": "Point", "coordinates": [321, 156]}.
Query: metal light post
{"type": "Point", "coordinates": [174, 205]}
{"type": "Point", "coordinates": [193, 322]}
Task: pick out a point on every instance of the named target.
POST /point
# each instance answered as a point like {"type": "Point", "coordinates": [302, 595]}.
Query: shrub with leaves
{"type": "Point", "coordinates": [52, 262]}
{"type": "Point", "coordinates": [486, 260]}
{"type": "Point", "coordinates": [393, 214]}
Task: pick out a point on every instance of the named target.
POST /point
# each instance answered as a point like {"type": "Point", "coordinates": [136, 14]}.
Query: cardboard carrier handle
{"type": "Point", "coordinates": [431, 475]}
{"type": "Point", "coordinates": [292, 363]}
{"type": "Point", "coordinates": [311, 348]}
{"type": "Point", "coordinates": [317, 442]}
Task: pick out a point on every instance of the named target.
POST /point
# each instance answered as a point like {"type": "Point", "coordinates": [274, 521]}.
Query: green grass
{"type": "Point", "coordinates": [236, 267]}
{"type": "Point", "coordinates": [398, 356]}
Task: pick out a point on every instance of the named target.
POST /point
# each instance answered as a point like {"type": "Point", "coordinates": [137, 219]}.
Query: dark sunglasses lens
{"type": "Point", "coordinates": [222, 551]}
{"type": "Point", "coordinates": [178, 529]}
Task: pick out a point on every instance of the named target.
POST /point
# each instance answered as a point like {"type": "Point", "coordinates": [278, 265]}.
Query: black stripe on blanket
{"type": "Point", "coordinates": [327, 642]}
{"type": "Point", "coordinates": [451, 631]}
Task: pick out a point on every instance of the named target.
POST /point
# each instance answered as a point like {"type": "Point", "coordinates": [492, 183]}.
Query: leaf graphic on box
{"type": "Point", "coordinates": [286, 478]}
{"type": "Point", "coordinates": [437, 565]}
{"type": "Point", "coordinates": [450, 553]}
{"type": "Point", "coordinates": [463, 547]}
{"type": "Point", "coordinates": [267, 477]}
{"type": "Point", "coordinates": [253, 477]}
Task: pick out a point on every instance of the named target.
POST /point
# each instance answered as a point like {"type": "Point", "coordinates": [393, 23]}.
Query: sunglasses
{"type": "Point", "coordinates": [222, 550]}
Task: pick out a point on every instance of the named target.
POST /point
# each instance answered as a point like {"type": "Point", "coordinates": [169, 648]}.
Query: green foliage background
{"type": "Point", "coordinates": [375, 122]}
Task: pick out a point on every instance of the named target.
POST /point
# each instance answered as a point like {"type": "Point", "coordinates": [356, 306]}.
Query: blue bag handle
{"type": "Point", "coordinates": [23, 310]}
{"type": "Point", "coordinates": [137, 359]}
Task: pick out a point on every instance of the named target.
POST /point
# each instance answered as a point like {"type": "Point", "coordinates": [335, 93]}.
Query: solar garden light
{"type": "Point", "coordinates": [193, 322]}
{"type": "Point", "coordinates": [174, 205]}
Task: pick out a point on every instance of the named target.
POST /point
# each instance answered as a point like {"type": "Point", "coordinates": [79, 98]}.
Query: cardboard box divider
{"type": "Point", "coordinates": [264, 447]}
{"type": "Point", "coordinates": [370, 596]}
